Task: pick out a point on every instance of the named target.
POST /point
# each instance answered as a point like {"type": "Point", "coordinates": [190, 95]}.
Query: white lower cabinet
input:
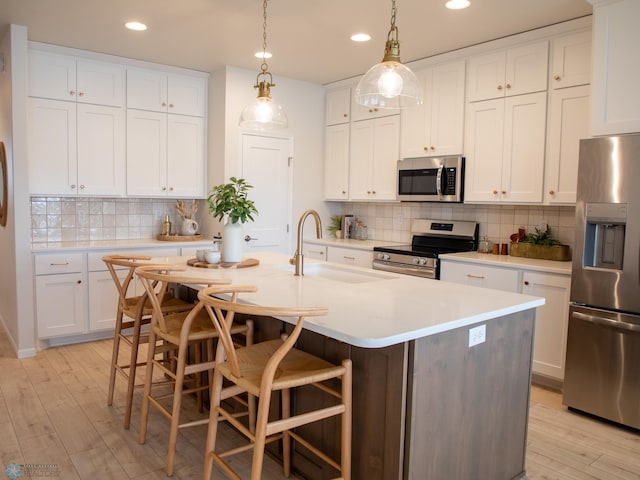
{"type": "Point", "coordinates": [350, 256]}
{"type": "Point", "coordinates": [60, 294]}
{"type": "Point", "coordinates": [317, 252]}
{"type": "Point", "coordinates": [551, 319]}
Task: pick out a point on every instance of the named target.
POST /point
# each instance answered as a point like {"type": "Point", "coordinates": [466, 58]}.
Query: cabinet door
{"type": "Point", "coordinates": [568, 123]}
{"type": "Point", "coordinates": [551, 321]}
{"type": "Point", "coordinates": [100, 83]}
{"type": "Point", "coordinates": [101, 154]}
{"type": "Point", "coordinates": [483, 149]}
{"type": "Point", "coordinates": [486, 76]}
{"type": "Point", "coordinates": [415, 123]}
{"type": "Point", "coordinates": [337, 106]}
{"type": "Point", "coordinates": [571, 60]}
{"type": "Point", "coordinates": [336, 162]}
{"type": "Point", "coordinates": [359, 112]}
{"type": "Point", "coordinates": [52, 76]}
{"type": "Point", "coordinates": [615, 103]}
{"type": "Point", "coordinates": [447, 109]}
{"type": "Point", "coordinates": [103, 300]}
{"type": "Point", "coordinates": [386, 152]}
{"type": "Point", "coordinates": [146, 153]}
{"type": "Point", "coordinates": [186, 95]}
{"type": "Point", "coordinates": [360, 158]}
{"type": "Point", "coordinates": [185, 156]}
{"type": "Point", "coordinates": [60, 304]}
{"type": "Point", "coordinates": [505, 279]}
{"type": "Point", "coordinates": [146, 90]}
{"type": "Point", "coordinates": [523, 149]}
{"type": "Point", "coordinates": [526, 69]}
{"type": "Point", "coordinates": [52, 147]}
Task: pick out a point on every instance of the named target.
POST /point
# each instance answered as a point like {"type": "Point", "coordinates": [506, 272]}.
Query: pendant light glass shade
{"type": "Point", "coordinates": [264, 113]}
{"type": "Point", "coordinates": [389, 84]}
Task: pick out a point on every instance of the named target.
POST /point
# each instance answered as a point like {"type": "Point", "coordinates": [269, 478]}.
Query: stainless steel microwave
{"type": "Point", "coordinates": [431, 179]}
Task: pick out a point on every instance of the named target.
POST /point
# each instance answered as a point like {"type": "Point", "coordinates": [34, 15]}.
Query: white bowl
{"type": "Point", "coordinates": [211, 256]}
{"type": "Point", "coordinates": [201, 255]}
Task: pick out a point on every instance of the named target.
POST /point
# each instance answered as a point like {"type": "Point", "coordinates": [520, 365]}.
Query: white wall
{"type": "Point", "coordinates": [16, 282]}
{"type": "Point", "coordinates": [230, 90]}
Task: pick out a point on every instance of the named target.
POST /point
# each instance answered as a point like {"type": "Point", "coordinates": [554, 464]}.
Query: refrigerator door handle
{"type": "Point", "coordinates": [606, 322]}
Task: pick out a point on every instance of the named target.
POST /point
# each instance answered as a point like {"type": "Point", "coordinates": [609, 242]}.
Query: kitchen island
{"type": "Point", "coordinates": [441, 370]}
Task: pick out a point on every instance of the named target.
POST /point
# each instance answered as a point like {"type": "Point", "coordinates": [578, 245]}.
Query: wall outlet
{"type": "Point", "coordinates": [477, 335]}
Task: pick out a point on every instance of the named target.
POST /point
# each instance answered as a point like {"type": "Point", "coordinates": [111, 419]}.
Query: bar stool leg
{"type": "Point", "coordinates": [347, 400]}
{"type": "Point", "coordinates": [177, 402]}
{"type": "Point", "coordinates": [144, 415]}
{"type": "Point", "coordinates": [114, 356]}
{"type": "Point", "coordinates": [216, 390]}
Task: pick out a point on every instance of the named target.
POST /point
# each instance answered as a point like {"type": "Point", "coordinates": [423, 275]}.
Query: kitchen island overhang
{"type": "Point", "coordinates": [426, 403]}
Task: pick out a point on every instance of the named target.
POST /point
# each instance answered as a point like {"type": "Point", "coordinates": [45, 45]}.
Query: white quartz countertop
{"type": "Point", "coordinates": [350, 243]}
{"type": "Point", "coordinates": [115, 244]}
{"type": "Point", "coordinates": [507, 261]}
{"type": "Point", "coordinates": [367, 308]}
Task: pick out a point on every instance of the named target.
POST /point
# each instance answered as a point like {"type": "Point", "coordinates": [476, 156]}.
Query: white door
{"type": "Point", "coordinates": [266, 166]}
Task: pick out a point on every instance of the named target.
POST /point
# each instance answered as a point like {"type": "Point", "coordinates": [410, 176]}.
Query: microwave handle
{"type": "Point", "coordinates": [439, 181]}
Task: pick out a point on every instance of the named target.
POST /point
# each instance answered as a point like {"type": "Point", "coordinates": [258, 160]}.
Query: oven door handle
{"type": "Point", "coordinates": [607, 322]}
{"type": "Point", "coordinates": [439, 180]}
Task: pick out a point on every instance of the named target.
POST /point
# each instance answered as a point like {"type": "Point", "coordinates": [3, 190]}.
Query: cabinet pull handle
{"type": "Point", "coordinates": [499, 87]}
{"type": "Point", "coordinates": [526, 282]}
{"type": "Point", "coordinates": [81, 94]}
{"type": "Point", "coordinates": [481, 277]}
{"type": "Point", "coordinates": [73, 186]}
{"type": "Point", "coordinates": [556, 77]}
{"type": "Point", "coordinates": [348, 258]}
{"type": "Point", "coordinates": [508, 85]}
{"type": "Point", "coordinates": [72, 92]}
{"type": "Point", "coordinates": [551, 192]}
{"type": "Point", "coordinates": [59, 264]}
{"type": "Point", "coordinates": [79, 282]}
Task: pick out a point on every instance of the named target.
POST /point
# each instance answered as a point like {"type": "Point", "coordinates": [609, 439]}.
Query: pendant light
{"type": "Point", "coordinates": [264, 113]}
{"type": "Point", "coordinates": [389, 84]}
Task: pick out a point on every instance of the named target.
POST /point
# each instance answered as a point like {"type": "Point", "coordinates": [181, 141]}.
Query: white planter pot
{"type": "Point", "coordinates": [233, 242]}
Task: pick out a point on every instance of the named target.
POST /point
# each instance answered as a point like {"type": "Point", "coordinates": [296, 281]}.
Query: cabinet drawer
{"type": "Point", "coordinates": [480, 275]}
{"type": "Point", "coordinates": [350, 256]}
{"type": "Point", "coordinates": [317, 252]}
{"type": "Point", "coordinates": [52, 263]}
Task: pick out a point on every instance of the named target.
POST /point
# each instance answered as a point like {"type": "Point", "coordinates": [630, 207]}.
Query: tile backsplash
{"type": "Point", "coordinates": [55, 219]}
{"type": "Point", "coordinates": [392, 222]}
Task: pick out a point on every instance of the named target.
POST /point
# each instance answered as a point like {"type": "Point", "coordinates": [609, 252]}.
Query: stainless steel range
{"type": "Point", "coordinates": [430, 238]}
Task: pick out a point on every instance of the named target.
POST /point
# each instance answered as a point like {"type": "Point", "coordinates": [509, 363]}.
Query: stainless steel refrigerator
{"type": "Point", "coordinates": [602, 371]}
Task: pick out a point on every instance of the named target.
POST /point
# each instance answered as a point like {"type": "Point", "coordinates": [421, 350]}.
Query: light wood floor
{"type": "Point", "coordinates": [53, 411]}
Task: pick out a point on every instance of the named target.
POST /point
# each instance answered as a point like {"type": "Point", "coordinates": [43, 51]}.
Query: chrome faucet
{"type": "Point", "coordinates": [298, 258]}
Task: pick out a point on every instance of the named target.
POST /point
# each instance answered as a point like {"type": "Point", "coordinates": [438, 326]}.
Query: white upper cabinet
{"type": "Point", "coordinates": [158, 91]}
{"type": "Point", "coordinates": [571, 60]}
{"type": "Point", "coordinates": [359, 112]}
{"type": "Point", "coordinates": [63, 77]}
{"type": "Point", "coordinates": [504, 147]}
{"type": "Point", "coordinates": [515, 71]}
{"type": "Point", "coordinates": [436, 127]}
{"type": "Point", "coordinates": [336, 162]}
{"type": "Point", "coordinates": [615, 102]}
{"type": "Point", "coordinates": [337, 106]}
{"type": "Point", "coordinates": [374, 158]}
{"type": "Point", "coordinates": [568, 122]}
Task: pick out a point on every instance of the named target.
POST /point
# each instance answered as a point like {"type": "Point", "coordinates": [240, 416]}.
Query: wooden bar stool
{"type": "Point", "coordinates": [132, 313]}
{"type": "Point", "coordinates": [180, 330]}
{"type": "Point", "coordinates": [267, 367]}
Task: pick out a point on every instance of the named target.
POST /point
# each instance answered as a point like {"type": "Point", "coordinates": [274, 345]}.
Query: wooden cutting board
{"type": "Point", "coordinates": [247, 262]}
{"type": "Point", "coordinates": [180, 238]}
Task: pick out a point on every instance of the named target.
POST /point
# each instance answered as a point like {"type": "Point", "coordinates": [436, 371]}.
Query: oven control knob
{"type": "Point", "coordinates": [383, 256]}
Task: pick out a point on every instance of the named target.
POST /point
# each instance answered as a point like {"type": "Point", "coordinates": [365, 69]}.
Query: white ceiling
{"type": "Point", "coordinates": [309, 39]}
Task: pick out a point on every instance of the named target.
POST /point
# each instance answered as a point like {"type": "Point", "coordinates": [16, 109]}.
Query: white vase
{"type": "Point", "coordinates": [232, 242]}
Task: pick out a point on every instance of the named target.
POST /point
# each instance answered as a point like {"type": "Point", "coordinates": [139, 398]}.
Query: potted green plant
{"type": "Point", "coordinates": [542, 245]}
{"type": "Point", "coordinates": [229, 202]}
{"type": "Point", "coordinates": [335, 226]}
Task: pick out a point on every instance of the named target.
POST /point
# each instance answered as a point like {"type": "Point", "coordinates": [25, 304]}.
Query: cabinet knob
{"type": "Point", "coordinates": [373, 191]}
{"type": "Point", "coordinates": [81, 187]}
{"type": "Point", "coordinates": [73, 186]}
{"type": "Point", "coordinates": [556, 77]}
{"type": "Point", "coordinates": [495, 192]}
{"type": "Point", "coordinates": [72, 92]}
{"type": "Point", "coordinates": [508, 86]}
{"type": "Point", "coordinates": [425, 148]}
{"type": "Point", "coordinates": [79, 282]}
{"type": "Point", "coordinates": [499, 87]}
{"type": "Point", "coordinates": [81, 94]}
{"type": "Point", "coordinates": [344, 192]}
{"type": "Point", "coordinates": [163, 104]}
{"type": "Point", "coordinates": [552, 192]}
{"type": "Point", "coordinates": [368, 192]}
{"type": "Point", "coordinates": [164, 189]}
{"type": "Point", "coordinates": [432, 147]}
{"type": "Point", "coordinates": [526, 282]}
{"type": "Point", "coordinates": [171, 105]}
{"type": "Point", "coordinates": [371, 110]}
{"type": "Point", "coordinates": [171, 189]}
{"type": "Point", "coordinates": [504, 192]}
{"type": "Point", "coordinates": [345, 115]}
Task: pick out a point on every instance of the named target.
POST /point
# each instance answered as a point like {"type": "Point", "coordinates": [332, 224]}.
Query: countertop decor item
{"type": "Point", "coordinates": [247, 262]}
{"type": "Point", "coordinates": [228, 202]}
{"type": "Point", "coordinates": [540, 245]}
{"type": "Point", "coordinates": [179, 238]}
{"type": "Point", "coordinates": [335, 226]}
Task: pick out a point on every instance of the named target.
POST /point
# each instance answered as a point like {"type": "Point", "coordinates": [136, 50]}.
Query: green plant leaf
{"type": "Point", "coordinates": [230, 199]}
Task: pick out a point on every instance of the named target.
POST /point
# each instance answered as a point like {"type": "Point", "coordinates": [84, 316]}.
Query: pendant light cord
{"type": "Point", "coordinates": [393, 31]}
{"type": "Point", "coordinates": [264, 67]}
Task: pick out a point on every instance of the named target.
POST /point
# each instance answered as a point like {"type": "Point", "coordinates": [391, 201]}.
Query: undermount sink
{"type": "Point", "coordinates": [338, 274]}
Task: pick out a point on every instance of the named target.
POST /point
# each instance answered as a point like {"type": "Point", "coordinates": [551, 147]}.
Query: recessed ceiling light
{"type": "Point", "coordinates": [361, 37]}
{"type": "Point", "coordinates": [262, 55]}
{"type": "Point", "coordinates": [137, 26]}
{"type": "Point", "coordinates": [457, 4]}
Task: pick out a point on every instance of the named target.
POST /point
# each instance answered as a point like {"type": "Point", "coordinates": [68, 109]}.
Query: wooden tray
{"type": "Point", "coordinates": [180, 238]}
{"type": "Point", "coordinates": [247, 262]}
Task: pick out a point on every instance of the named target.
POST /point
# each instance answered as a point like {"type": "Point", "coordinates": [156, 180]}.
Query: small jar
{"type": "Point", "coordinates": [485, 245]}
